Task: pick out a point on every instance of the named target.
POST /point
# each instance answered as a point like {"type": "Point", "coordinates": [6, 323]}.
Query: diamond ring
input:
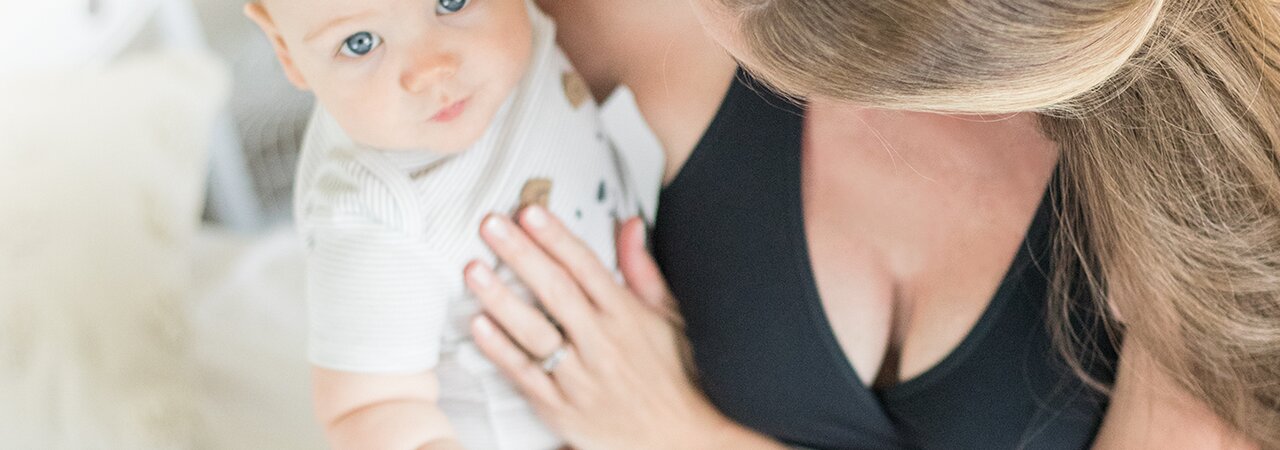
{"type": "Point", "coordinates": [551, 361]}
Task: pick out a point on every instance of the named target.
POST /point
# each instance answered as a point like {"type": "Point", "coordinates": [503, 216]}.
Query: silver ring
{"type": "Point", "coordinates": [551, 361]}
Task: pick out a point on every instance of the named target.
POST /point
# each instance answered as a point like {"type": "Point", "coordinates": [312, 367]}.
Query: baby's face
{"type": "Point", "coordinates": [406, 74]}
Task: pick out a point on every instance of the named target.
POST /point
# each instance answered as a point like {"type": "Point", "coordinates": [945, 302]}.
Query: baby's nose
{"type": "Point", "coordinates": [428, 70]}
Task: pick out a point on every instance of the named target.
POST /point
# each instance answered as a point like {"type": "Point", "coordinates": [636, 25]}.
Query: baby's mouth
{"type": "Point", "coordinates": [450, 112]}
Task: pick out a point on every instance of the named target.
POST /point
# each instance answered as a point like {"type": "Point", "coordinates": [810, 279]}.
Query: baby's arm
{"type": "Point", "coordinates": [375, 411]}
{"type": "Point", "coordinates": [377, 298]}
{"type": "Point", "coordinates": [377, 312]}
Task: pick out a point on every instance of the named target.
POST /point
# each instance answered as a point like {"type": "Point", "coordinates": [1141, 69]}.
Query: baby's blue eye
{"type": "Point", "coordinates": [360, 44]}
{"type": "Point", "coordinates": [446, 7]}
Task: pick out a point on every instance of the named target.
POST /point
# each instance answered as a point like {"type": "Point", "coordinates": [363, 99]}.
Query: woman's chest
{"type": "Point", "coordinates": [906, 258]}
{"type": "Point", "coordinates": [732, 237]}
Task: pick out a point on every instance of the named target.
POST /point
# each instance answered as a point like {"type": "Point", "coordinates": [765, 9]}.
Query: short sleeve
{"type": "Point", "coordinates": [377, 296]}
{"type": "Point", "coordinates": [377, 300]}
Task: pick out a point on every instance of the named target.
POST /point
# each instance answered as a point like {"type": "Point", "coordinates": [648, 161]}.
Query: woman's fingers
{"type": "Point", "coordinates": [601, 287]}
{"type": "Point", "coordinates": [554, 288]}
{"type": "Point", "coordinates": [610, 366]}
{"type": "Point", "coordinates": [640, 270]}
{"type": "Point", "coordinates": [515, 364]}
{"type": "Point", "coordinates": [568, 381]}
{"type": "Point", "coordinates": [524, 323]}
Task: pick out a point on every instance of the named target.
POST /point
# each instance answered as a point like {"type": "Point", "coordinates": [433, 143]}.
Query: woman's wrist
{"type": "Point", "coordinates": [715, 431]}
{"type": "Point", "coordinates": [730, 435]}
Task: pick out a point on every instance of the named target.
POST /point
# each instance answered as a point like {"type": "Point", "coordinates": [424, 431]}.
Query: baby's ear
{"type": "Point", "coordinates": [259, 15]}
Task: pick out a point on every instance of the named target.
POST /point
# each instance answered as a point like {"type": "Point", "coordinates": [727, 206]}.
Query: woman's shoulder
{"type": "Point", "coordinates": [657, 49]}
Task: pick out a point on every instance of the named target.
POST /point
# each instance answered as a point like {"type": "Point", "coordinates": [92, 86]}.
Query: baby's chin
{"type": "Point", "coordinates": [453, 140]}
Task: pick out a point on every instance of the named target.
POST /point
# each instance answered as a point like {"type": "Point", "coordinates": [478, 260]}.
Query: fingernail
{"type": "Point", "coordinates": [480, 275]}
{"type": "Point", "coordinates": [495, 227]}
{"type": "Point", "coordinates": [535, 217]}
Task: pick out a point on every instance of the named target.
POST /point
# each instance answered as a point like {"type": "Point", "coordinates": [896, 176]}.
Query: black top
{"type": "Point", "coordinates": [730, 239]}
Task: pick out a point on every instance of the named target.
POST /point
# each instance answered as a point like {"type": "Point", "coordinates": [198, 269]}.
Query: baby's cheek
{"type": "Point", "coordinates": [368, 118]}
{"type": "Point", "coordinates": [510, 48]}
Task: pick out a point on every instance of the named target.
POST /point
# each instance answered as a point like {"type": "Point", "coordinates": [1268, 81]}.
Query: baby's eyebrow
{"type": "Point", "coordinates": [336, 22]}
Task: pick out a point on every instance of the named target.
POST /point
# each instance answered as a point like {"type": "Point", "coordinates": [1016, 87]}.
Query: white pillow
{"type": "Point", "coordinates": [101, 182]}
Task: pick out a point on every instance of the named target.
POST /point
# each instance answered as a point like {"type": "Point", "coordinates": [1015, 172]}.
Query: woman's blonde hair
{"type": "Point", "coordinates": [1167, 114]}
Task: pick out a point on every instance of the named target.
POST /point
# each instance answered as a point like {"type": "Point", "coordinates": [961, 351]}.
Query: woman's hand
{"type": "Point", "coordinates": [620, 382]}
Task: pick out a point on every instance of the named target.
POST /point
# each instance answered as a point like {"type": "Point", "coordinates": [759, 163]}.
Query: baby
{"type": "Point", "coordinates": [433, 113]}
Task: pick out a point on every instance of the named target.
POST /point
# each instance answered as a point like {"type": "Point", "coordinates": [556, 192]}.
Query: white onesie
{"type": "Point", "coordinates": [388, 233]}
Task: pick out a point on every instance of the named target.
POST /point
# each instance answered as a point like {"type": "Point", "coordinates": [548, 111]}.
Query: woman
{"type": "Point", "coordinates": [937, 247]}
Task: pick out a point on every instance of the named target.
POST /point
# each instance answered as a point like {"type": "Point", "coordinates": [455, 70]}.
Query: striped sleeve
{"type": "Point", "coordinates": [377, 296]}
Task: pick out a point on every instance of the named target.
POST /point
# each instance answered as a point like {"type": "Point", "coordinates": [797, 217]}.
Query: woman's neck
{"type": "Point", "coordinates": [941, 146]}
